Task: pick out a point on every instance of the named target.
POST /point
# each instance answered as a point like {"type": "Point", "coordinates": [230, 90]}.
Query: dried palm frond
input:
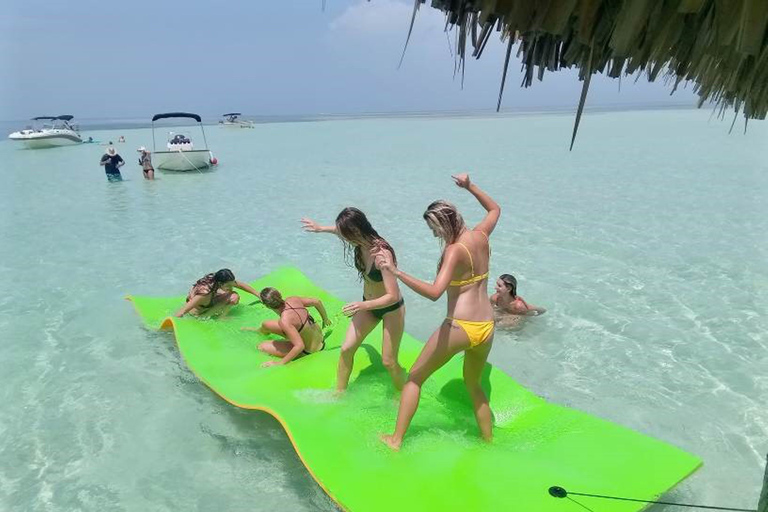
{"type": "Point", "coordinates": [720, 46]}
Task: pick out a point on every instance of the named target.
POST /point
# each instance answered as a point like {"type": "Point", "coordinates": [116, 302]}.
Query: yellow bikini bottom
{"type": "Point", "coordinates": [477, 332]}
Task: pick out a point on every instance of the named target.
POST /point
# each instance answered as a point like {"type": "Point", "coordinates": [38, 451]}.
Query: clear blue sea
{"type": "Point", "coordinates": [647, 244]}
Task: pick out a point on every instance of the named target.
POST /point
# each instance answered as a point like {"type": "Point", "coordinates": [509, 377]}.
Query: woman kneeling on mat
{"type": "Point", "coordinates": [510, 307]}
{"type": "Point", "coordinates": [303, 336]}
{"type": "Point", "coordinates": [381, 302]}
{"type": "Point", "coordinates": [469, 324]}
{"type": "Point", "coordinates": [212, 294]}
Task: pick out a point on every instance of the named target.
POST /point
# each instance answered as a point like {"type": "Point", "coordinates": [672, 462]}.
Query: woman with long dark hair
{"type": "Point", "coordinates": [213, 294]}
{"type": "Point", "coordinates": [468, 327]}
{"type": "Point", "coordinates": [381, 302]}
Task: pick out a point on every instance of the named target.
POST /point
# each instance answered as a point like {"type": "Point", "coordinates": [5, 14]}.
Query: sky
{"type": "Point", "coordinates": [131, 59]}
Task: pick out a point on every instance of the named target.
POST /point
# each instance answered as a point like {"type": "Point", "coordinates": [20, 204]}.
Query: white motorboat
{"type": "Point", "coordinates": [232, 120]}
{"type": "Point", "coordinates": [58, 131]}
{"type": "Point", "coordinates": [180, 153]}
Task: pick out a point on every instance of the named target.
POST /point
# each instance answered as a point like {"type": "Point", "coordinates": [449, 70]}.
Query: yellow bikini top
{"type": "Point", "coordinates": [474, 278]}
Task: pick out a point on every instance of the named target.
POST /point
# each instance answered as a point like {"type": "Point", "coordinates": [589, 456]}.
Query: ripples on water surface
{"type": "Point", "coordinates": [647, 244]}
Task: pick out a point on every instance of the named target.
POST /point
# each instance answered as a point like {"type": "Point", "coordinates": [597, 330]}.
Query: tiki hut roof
{"type": "Point", "coordinates": [719, 45]}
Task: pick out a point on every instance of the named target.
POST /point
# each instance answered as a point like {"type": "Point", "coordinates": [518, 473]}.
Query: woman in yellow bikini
{"type": "Point", "coordinates": [468, 326]}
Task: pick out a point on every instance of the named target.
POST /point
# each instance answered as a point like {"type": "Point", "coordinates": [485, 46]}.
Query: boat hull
{"type": "Point", "coordinates": [241, 124]}
{"type": "Point", "coordinates": [53, 139]}
{"type": "Point", "coordinates": [182, 161]}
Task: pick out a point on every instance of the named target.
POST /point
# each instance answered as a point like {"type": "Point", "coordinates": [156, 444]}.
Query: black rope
{"type": "Point", "coordinates": [559, 492]}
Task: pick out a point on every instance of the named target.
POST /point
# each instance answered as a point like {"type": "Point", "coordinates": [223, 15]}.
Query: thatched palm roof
{"type": "Point", "coordinates": [719, 45]}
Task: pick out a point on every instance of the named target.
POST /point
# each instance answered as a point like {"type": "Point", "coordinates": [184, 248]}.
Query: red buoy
{"type": "Point", "coordinates": [214, 160]}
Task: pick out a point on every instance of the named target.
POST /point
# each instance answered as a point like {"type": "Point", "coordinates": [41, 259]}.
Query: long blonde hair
{"type": "Point", "coordinates": [446, 220]}
{"type": "Point", "coordinates": [443, 217]}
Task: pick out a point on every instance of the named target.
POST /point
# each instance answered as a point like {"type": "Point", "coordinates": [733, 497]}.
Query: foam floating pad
{"type": "Point", "coordinates": [442, 466]}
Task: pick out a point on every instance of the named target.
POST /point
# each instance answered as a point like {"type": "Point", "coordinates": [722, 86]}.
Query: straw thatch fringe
{"type": "Point", "coordinates": [718, 45]}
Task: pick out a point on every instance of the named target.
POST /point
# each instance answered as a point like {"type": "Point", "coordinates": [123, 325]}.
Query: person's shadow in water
{"type": "Point", "coordinates": [453, 396]}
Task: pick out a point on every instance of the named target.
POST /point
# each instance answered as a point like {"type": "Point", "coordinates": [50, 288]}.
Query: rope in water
{"type": "Point", "coordinates": [559, 492]}
{"type": "Point", "coordinates": [188, 160]}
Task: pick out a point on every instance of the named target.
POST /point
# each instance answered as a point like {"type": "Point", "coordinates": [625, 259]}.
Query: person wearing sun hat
{"type": "Point", "coordinates": [145, 161]}
{"type": "Point", "coordinates": [112, 163]}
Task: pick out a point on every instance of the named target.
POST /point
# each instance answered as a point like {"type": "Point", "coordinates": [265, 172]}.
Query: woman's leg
{"type": "Point", "coordinates": [277, 348]}
{"type": "Point", "coordinates": [444, 343]}
{"type": "Point", "coordinates": [394, 324]}
{"type": "Point", "coordinates": [271, 327]}
{"type": "Point", "coordinates": [362, 324]}
{"type": "Point", "coordinates": [474, 362]}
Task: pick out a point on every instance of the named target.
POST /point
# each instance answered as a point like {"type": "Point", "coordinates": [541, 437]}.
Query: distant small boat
{"type": "Point", "coordinates": [57, 132]}
{"type": "Point", "coordinates": [180, 153]}
{"type": "Point", "coordinates": [232, 120]}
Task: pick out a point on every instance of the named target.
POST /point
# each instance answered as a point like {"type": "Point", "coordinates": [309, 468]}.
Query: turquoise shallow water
{"type": "Point", "coordinates": [647, 244]}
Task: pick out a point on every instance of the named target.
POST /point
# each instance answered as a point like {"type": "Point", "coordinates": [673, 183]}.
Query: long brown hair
{"type": "Point", "coordinates": [353, 226]}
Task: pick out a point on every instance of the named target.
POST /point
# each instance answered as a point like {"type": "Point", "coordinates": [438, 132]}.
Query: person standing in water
{"type": "Point", "coordinates": [112, 162]}
{"type": "Point", "coordinates": [303, 336]}
{"type": "Point", "coordinates": [469, 324]}
{"type": "Point", "coordinates": [382, 301]}
{"type": "Point", "coordinates": [511, 307]}
{"type": "Point", "coordinates": [145, 161]}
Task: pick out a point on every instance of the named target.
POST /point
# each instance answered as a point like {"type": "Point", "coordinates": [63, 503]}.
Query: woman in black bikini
{"type": "Point", "coordinates": [382, 301]}
{"type": "Point", "coordinates": [303, 336]}
{"type": "Point", "coordinates": [213, 294]}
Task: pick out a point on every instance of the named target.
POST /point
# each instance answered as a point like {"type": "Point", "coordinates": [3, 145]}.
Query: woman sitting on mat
{"type": "Point", "coordinates": [212, 294]}
{"type": "Point", "coordinates": [511, 308]}
{"type": "Point", "coordinates": [303, 336]}
{"type": "Point", "coordinates": [469, 324]}
{"type": "Point", "coordinates": [381, 302]}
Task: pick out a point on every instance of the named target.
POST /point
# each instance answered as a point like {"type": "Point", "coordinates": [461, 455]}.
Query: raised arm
{"type": "Point", "coordinates": [248, 288]}
{"type": "Point", "coordinates": [189, 306]}
{"type": "Point", "coordinates": [431, 291]}
{"type": "Point", "coordinates": [313, 227]}
{"type": "Point", "coordinates": [292, 335]}
{"type": "Point", "coordinates": [488, 224]}
{"type": "Point", "coordinates": [318, 305]}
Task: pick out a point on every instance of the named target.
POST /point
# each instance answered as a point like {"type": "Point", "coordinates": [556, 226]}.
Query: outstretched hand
{"type": "Point", "coordinates": [462, 180]}
{"type": "Point", "coordinates": [310, 225]}
{"type": "Point", "coordinates": [267, 364]}
{"type": "Point", "coordinates": [352, 308]}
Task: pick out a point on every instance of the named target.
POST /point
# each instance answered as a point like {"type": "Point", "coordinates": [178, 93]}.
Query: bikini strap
{"type": "Point", "coordinates": [471, 263]}
{"type": "Point", "coordinates": [298, 315]}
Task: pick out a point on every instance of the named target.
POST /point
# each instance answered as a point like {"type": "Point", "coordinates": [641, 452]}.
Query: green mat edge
{"type": "Point", "coordinates": [168, 324]}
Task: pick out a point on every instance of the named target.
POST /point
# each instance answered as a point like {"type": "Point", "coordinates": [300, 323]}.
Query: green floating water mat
{"type": "Point", "coordinates": [442, 466]}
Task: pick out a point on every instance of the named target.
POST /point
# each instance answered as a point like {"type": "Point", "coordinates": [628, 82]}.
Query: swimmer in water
{"type": "Point", "coordinates": [511, 308]}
